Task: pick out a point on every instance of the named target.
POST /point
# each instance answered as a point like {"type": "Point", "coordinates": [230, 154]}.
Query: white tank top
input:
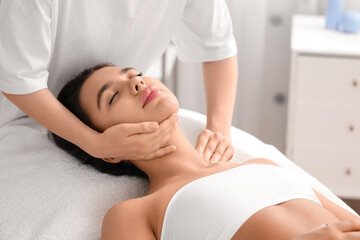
{"type": "Point", "coordinates": [216, 206]}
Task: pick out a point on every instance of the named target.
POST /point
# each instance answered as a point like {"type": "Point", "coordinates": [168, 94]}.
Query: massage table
{"type": "Point", "coordinates": [47, 194]}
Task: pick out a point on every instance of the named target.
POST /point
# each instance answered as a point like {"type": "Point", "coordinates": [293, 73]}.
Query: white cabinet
{"type": "Point", "coordinates": [323, 130]}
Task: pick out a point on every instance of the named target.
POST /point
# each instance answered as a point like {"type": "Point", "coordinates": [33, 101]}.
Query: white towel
{"type": "Point", "coordinates": [46, 194]}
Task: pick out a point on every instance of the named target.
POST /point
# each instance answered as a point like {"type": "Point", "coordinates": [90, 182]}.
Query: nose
{"type": "Point", "coordinates": [137, 84]}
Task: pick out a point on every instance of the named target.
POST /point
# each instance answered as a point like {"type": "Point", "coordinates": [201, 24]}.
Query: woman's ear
{"type": "Point", "coordinates": [112, 160]}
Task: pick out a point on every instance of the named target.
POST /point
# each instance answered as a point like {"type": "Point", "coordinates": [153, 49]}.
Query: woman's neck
{"type": "Point", "coordinates": [184, 160]}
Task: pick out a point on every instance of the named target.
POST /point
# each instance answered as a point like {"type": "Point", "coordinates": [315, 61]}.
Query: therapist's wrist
{"type": "Point", "coordinates": [92, 143]}
{"type": "Point", "coordinates": [222, 128]}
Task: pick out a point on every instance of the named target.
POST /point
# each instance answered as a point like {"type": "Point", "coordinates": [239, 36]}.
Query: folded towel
{"type": "Point", "coordinates": [46, 194]}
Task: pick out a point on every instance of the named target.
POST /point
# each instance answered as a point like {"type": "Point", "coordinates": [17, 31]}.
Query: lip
{"type": "Point", "coordinates": [149, 94]}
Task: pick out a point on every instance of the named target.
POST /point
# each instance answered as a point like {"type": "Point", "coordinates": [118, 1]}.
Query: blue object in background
{"type": "Point", "coordinates": [333, 14]}
{"type": "Point", "coordinates": [350, 22]}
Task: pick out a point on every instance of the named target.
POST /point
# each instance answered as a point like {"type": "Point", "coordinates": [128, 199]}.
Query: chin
{"type": "Point", "coordinates": [165, 107]}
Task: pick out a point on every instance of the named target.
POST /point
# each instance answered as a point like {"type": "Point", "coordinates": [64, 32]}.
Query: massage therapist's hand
{"type": "Point", "coordinates": [343, 230]}
{"type": "Point", "coordinates": [214, 146]}
{"type": "Point", "coordinates": [137, 141]}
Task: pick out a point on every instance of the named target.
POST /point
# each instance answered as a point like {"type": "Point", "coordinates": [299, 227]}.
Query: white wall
{"type": "Point", "coordinates": [276, 72]}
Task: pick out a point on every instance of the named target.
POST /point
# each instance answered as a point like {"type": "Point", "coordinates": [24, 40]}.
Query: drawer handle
{"type": "Point", "coordinates": [348, 171]}
{"type": "Point", "coordinates": [351, 128]}
{"type": "Point", "coordinates": [355, 83]}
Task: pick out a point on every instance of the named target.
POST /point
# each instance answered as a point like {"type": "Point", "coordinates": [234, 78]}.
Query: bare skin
{"type": "Point", "coordinates": [150, 210]}
{"type": "Point", "coordinates": [342, 230]}
{"type": "Point", "coordinates": [142, 218]}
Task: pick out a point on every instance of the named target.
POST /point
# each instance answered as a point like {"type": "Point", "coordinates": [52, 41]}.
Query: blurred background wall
{"type": "Point", "coordinates": [262, 31]}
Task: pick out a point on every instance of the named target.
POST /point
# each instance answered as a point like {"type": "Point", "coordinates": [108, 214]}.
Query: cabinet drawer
{"type": "Point", "coordinates": [339, 170]}
{"type": "Point", "coordinates": [327, 125]}
{"type": "Point", "coordinates": [328, 80]}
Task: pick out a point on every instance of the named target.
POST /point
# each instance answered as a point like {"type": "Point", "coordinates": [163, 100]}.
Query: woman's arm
{"type": "Point", "coordinates": [335, 209]}
{"type": "Point", "coordinates": [117, 141]}
{"type": "Point", "coordinates": [342, 230]}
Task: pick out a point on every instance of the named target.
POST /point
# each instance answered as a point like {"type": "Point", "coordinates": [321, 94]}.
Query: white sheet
{"type": "Point", "coordinates": [46, 194]}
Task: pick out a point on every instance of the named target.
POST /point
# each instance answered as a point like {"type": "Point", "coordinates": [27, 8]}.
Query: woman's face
{"type": "Point", "coordinates": [113, 95]}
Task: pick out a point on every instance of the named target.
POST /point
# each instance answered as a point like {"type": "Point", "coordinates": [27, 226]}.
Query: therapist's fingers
{"type": "Point", "coordinates": [164, 133]}
{"type": "Point", "coordinates": [213, 145]}
{"type": "Point", "coordinates": [214, 140]}
{"type": "Point", "coordinates": [202, 141]}
{"type": "Point", "coordinates": [219, 151]}
{"type": "Point", "coordinates": [153, 144]}
{"type": "Point", "coordinates": [140, 128]}
{"type": "Point", "coordinates": [166, 127]}
{"type": "Point", "coordinates": [157, 140]}
{"type": "Point", "coordinates": [228, 154]}
{"type": "Point", "coordinates": [152, 127]}
{"type": "Point", "coordinates": [161, 152]}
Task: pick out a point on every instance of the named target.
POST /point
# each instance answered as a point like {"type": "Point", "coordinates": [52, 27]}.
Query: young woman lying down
{"type": "Point", "coordinates": [188, 197]}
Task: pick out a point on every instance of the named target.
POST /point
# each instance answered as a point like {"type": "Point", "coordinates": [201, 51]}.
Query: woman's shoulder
{"type": "Point", "coordinates": [131, 206]}
{"type": "Point", "coordinates": [126, 218]}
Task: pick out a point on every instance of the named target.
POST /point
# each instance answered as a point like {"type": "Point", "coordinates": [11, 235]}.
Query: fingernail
{"type": "Point", "coordinates": [153, 125]}
{"type": "Point", "coordinates": [216, 158]}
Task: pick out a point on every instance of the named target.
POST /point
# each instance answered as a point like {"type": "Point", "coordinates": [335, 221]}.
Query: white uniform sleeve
{"type": "Point", "coordinates": [205, 32]}
{"type": "Point", "coordinates": [25, 45]}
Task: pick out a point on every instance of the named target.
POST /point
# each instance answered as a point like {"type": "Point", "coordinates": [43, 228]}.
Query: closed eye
{"type": "Point", "coordinates": [113, 97]}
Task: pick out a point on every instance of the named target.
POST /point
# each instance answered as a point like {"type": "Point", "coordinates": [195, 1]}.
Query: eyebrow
{"type": "Point", "coordinates": [125, 70]}
{"type": "Point", "coordinates": [108, 84]}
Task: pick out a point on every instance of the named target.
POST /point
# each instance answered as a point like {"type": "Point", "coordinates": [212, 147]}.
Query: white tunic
{"type": "Point", "coordinates": [44, 42]}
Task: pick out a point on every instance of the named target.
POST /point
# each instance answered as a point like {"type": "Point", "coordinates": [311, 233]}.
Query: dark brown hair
{"type": "Point", "coordinates": [69, 97]}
